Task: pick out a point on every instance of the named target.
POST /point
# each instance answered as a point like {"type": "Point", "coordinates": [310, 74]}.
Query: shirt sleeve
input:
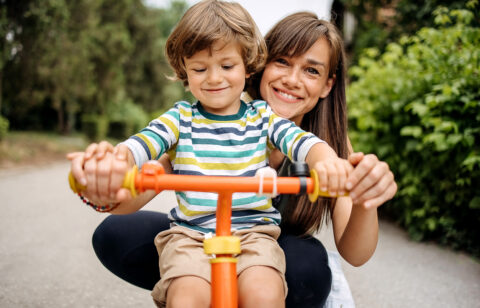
{"type": "Point", "coordinates": [157, 138]}
{"type": "Point", "coordinates": [290, 139]}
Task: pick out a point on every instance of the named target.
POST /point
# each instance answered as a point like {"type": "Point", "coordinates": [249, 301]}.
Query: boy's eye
{"type": "Point", "coordinates": [227, 67]}
{"type": "Point", "coordinates": [198, 70]}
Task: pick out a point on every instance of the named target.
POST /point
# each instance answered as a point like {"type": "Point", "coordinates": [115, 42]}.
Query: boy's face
{"type": "Point", "coordinates": [216, 77]}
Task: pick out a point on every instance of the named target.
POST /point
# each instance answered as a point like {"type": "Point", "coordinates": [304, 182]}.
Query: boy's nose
{"type": "Point", "coordinates": [214, 76]}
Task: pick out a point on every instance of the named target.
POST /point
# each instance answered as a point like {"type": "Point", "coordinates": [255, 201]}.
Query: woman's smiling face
{"type": "Point", "coordinates": [292, 86]}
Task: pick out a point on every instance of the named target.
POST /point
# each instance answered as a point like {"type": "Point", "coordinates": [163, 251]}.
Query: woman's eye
{"type": "Point", "coordinates": [281, 61]}
{"type": "Point", "coordinates": [312, 71]}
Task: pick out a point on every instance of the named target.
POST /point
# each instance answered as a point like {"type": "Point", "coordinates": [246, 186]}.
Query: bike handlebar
{"type": "Point", "coordinates": [152, 177]}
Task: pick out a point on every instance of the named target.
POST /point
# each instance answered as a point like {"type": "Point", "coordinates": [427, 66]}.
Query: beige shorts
{"type": "Point", "coordinates": [181, 254]}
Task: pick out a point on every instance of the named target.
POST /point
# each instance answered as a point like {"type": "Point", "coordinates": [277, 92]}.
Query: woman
{"type": "Point", "coordinates": [304, 82]}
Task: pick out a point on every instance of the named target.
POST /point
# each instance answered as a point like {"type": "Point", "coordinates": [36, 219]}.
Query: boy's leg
{"type": "Point", "coordinates": [261, 286]}
{"type": "Point", "coordinates": [188, 291]}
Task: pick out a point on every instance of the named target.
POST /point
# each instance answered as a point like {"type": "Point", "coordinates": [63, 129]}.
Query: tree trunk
{"type": "Point", "coordinates": [60, 115]}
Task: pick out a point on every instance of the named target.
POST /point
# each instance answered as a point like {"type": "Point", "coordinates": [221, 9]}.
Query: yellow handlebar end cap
{"type": "Point", "coordinates": [74, 185]}
{"type": "Point", "coordinates": [129, 181]}
{"type": "Point", "coordinates": [316, 190]}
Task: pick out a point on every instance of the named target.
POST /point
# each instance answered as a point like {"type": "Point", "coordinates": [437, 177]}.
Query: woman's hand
{"type": "Point", "coordinates": [371, 183]}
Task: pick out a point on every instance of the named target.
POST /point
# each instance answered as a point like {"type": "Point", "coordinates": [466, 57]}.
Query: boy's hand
{"type": "Point", "coordinates": [78, 159]}
{"type": "Point", "coordinates": [333, 174]}
{"type": "Point", "coordinates": [103, 169]}
{"type": "Point", "coordinates": [105, 176]}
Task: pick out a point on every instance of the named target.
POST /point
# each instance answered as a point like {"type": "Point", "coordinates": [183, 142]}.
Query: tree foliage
{"type": "Point", "coordinates": [64, 59]}
{"type": "Point", "coordinates": [380, 22]}
{"type": "Point", "coordinates": [417, 105]}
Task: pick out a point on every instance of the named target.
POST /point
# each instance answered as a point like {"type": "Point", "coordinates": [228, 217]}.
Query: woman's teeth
{"type": "Point", "coordinates": [286, 95]}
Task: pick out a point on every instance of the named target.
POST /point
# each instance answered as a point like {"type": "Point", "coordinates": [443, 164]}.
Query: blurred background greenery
{"type": "Point", "coordinates": [85, 70]}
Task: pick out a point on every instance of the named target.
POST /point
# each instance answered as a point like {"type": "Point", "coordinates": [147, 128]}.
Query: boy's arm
{"type": "Point", "coordinates": [109, 165]}
{"type": "Point", "coordinates": [299, 145]}
{"type": "Point", "coordinates": [158, 137]}
{"type": "Point", "coordinates": [127, 204]}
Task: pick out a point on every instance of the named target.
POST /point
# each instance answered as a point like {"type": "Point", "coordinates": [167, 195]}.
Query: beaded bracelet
{"type": "Point", "coordinates": [98, 208]}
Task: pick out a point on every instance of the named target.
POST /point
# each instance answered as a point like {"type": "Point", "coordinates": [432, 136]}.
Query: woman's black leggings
{"type": "Point", "coordinates": [124, 244]}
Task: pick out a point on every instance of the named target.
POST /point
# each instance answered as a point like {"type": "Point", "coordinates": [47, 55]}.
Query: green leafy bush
{"type": "Point", "coordinates": [95, 127]}
{"type": "Point", "coordinates": [126, 119]}
{"type": "Point", "coordinates": [4, 124]}
{"type": "Point", "coordinates": [417, 106]}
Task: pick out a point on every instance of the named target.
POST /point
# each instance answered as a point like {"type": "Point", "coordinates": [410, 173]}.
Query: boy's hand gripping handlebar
{"type": "Point", "coordinates": [152, 177]}
{"type": "Point", "coordinates": [223, 246]}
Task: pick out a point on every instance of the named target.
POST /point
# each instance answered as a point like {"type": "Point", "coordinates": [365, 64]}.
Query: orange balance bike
{"type": "Point", "coordinates": [223, 246]}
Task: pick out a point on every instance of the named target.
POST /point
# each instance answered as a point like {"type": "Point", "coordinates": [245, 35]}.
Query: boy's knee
{"type": "Point", "coordinates": [264, 299]}
{"type": "Point", "coordinates": [189, 291]}
{"type": "Point", "coordinates": [261, 287]}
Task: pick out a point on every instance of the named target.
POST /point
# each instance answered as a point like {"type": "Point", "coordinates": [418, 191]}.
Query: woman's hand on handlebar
{"type": "Point", "coordinates": [371, 183]}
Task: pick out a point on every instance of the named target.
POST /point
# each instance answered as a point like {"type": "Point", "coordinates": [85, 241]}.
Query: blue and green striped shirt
{"type": "Point", "coordinates": [202, 143]}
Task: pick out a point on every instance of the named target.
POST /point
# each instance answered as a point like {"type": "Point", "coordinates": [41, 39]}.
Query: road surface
{"type": "Point", "coordinates": [46, 259]}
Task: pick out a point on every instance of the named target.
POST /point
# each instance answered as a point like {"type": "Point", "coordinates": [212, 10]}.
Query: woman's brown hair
{"type": "Point", "coordinates": [290, 37]}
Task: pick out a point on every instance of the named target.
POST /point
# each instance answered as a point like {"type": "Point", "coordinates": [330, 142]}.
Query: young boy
{"type": "Point", "coordinates": [214, 48]}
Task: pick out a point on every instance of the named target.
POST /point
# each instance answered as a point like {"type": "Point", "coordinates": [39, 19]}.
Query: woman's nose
{"type": "Point", "coordinates": [291, 77]}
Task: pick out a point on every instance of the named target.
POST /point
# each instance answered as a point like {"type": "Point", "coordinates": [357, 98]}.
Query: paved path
{"type": "Point", "coordinates": [46, 259]}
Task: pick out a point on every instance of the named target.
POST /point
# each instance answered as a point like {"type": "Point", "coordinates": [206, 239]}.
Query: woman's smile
{"type": "Point", "coordinates": [287, 95]}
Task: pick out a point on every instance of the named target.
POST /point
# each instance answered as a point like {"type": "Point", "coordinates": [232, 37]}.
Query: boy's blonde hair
{"type": "Point", "coordinates": [210, 21]}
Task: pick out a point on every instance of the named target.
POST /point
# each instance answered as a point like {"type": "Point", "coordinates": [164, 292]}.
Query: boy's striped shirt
{"type": "Point", "coordinates": [202, 143]}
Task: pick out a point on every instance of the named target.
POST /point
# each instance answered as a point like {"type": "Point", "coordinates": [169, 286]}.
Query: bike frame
{"type": "Point", "coordinates": [223, 245]}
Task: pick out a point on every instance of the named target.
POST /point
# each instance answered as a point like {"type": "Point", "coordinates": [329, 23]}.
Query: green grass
{"type": "Point", "coordinates": [20, 148]}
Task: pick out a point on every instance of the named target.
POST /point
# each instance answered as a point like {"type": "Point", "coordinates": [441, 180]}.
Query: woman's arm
{"type": "Point", "coordinates": [355, 231]}
{"type": "Point", "coordinates": [355, 219]}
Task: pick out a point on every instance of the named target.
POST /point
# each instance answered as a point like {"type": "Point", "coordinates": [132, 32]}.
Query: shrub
{"type": "Point", "coordinates": [4, 124]}
{"type": "Point", "coordinates": [126, 119]}
{"type": "Point", "coordinates": [417, 106]}
{"type": "Point", "coordinates": [95, 126]}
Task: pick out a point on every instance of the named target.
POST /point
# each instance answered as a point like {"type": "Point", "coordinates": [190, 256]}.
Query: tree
{"type": "Point", "coordinates": [379, 22]}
